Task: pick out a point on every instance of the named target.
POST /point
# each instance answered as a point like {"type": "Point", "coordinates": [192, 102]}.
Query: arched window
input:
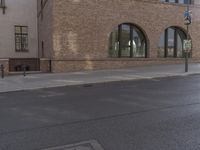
{"type": "Point", "coordinates": [127, 40]}
{"type": "Point", "coordinates": [171, 43]}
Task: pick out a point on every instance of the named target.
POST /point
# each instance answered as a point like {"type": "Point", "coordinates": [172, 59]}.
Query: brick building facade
{"type": "Point", "coordinates": [76, 34]}
{"type": "Point", "coordinates": [73, 35]}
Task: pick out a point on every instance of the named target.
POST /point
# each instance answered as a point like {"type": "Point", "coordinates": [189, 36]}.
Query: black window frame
{"type": "Point", "coordinates": [131, 55]}
{"type": "Point", "coordinates": [21, 34]}
{"type": "Point", "coordinates": [177, 31]}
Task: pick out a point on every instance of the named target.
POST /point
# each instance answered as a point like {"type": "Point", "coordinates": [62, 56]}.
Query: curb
{"type": "Point", "coordinates": [88, 84]}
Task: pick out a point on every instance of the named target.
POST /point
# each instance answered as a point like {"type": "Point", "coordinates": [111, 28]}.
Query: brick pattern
{"type": "Point", "coordinates": [81, 65]}
{"type": "Point", "coordinates": [81, 30]}
{"type": "Point", "coordinates": [45, 65]}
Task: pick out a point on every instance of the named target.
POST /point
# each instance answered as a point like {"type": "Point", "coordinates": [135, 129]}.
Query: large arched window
{"type": "Point", "coordinates": [171, 43]}
{"type": "Point", "coordinates": [127, 40]}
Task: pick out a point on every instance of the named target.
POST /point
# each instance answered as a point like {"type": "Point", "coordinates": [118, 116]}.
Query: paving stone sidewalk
{"type": "Point", "coordinates": [36, 81]}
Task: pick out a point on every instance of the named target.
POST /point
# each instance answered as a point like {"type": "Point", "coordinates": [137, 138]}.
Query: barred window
{"type": "Point", "coordinates": [21, 38]}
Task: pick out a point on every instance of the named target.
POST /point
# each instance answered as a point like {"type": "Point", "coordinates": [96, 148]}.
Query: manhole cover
{"type": "Point", "coordinates": [88, 145]}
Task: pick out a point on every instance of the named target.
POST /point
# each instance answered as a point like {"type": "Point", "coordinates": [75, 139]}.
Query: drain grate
{"type": "Point", "coordinates": [87, 145]}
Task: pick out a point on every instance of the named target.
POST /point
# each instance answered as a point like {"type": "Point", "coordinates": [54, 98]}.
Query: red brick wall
{"type": "Point", "coordinates": [81, 29]}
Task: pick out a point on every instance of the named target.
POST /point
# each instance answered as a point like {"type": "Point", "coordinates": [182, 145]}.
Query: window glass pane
{"type": "Point", "coordinates": [18, 42]}
{"type": "Point", "coordinates": [114, 43]}
{"type": "Point", "coordinates": [139, 43]}
{"type": "Point", "coordinates": [172, 1]}
{"type": "Point", "coordinates": [181, 37]}
{"type": "Point", "coordinates": [21, 38]}
{"type": "Point", "coordinates": [161, 45]}
{"type": "Point", "coordinates": [178, 1]}
{"type": "Point", "coordinates": [179, 46]}
{"type": "Point", "coordinates": [181, 1]}
{"type": "Point", "coordinates": [24, 42]}
{"type": "Point", "coordinates": [24, 29]}
{"type": "Point", "coordinates": [170, 42]}
{"type": "Point", "coordinates": [17, 30]}
{"type": "Point", "coordinates": [125, 40]}
{"type": "Point", "coordinates": [174, 45]}
{"type": "Point", "coordinates": [188, 1]}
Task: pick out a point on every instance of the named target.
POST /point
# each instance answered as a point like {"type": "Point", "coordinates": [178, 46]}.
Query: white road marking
{"type": "Point", "coordinates": [87, 145]}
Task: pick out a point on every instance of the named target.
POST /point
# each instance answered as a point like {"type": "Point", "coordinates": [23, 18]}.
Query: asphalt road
{"type": "Point", "coordinates": [156, 114]}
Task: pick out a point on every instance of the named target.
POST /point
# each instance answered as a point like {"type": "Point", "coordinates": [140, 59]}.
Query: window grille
{"type": "Point", "coordinates": [21, 38]}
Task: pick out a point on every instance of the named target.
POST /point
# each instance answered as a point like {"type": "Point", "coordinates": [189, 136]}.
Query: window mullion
{"type": "Point", "coordinates": [166, 42]}
{"type": "Point", "coordinates": [131, 39]}
{"type": "Point", "coordinates": [21, 36]}
{"type": "Point", "coordinates": [119, 39]}
{"type": "Point", "coordinates": [175, 42]}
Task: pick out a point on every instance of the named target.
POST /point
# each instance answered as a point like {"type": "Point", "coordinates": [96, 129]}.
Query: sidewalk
{"type": "Point", "coordinates": [36, 81]}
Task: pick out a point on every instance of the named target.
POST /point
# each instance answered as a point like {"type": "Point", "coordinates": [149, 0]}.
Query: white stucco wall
{"type": "Point", "coordinates": [18, 12]}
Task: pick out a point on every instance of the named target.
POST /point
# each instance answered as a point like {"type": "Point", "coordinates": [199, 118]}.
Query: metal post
{"type": "Point", "coordinates": [50, 66]}
{"type": "Point", "coordinates": [186, 51]}
{"type": "Point", "coordinates": [2, 71]}
{"type": "Point", "coordinates": [24, 70]}
{"type": "Point", "coordinates": [186, 54]}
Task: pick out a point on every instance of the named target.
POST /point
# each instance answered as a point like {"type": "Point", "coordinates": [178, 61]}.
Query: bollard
{"type": "Point", "coordinates": [50, 66]}
{"type": "Point", "coordinates": [24, 70]}
{"type": "Point", "coordinates": [2, 71]}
